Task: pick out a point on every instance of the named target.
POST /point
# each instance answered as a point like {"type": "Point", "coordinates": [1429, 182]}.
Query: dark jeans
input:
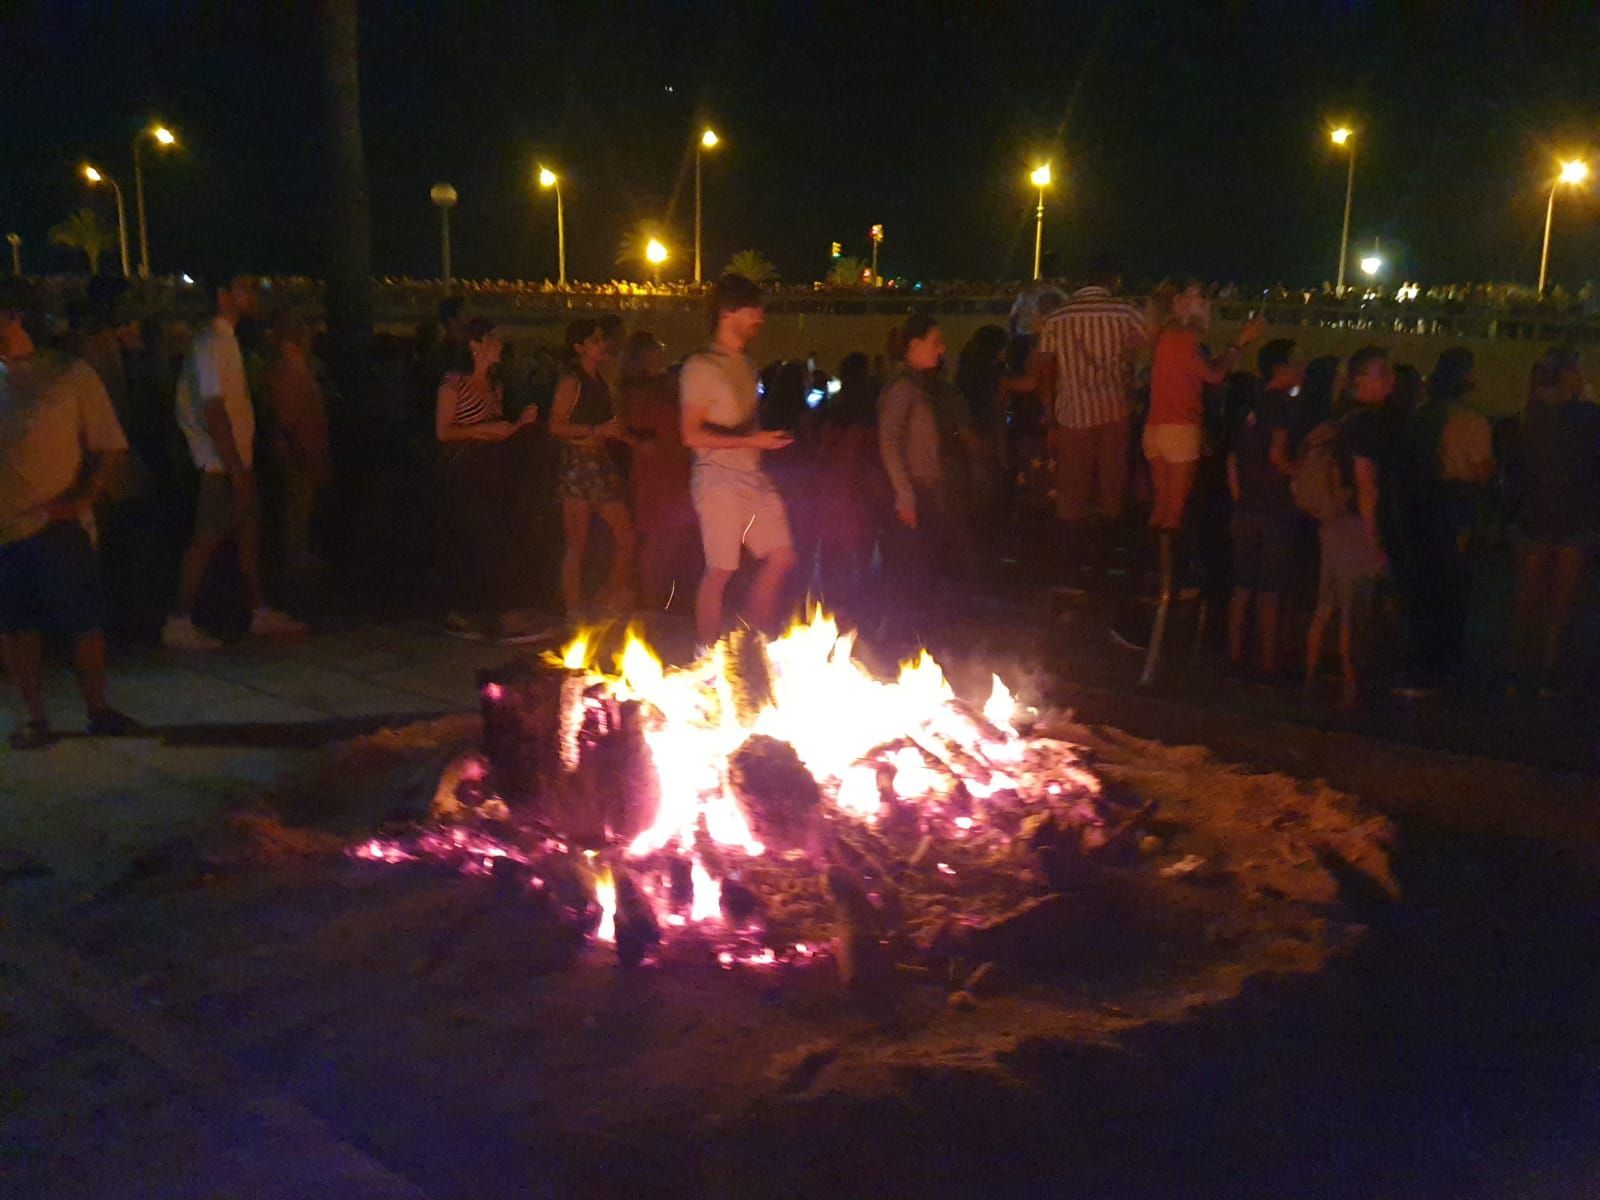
{"type": "Point", "coordinates": [1440, 588]}
{"type": "Point", "coordinates": [918, 561]}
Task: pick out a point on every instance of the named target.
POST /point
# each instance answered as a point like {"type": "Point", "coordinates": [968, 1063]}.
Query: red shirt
{"type": "Point", "coordinates": [1178, 376]}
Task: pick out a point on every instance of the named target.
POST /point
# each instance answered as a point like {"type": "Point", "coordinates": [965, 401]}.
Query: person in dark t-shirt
{"type": "Point", "coordinates": [1264, 515]}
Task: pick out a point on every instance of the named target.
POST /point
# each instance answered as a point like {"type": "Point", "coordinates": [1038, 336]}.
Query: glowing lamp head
{"type": "Point", "coordinates": [1041, 176]}
{"type": "Point", "coordinates": [547, 177]}
{"type": "Point", "coordinates": [92, 174]}
{"type": "Point", "coordinates": [164, 136]}
{"type": "Point", "coordinates": [1371, 265]}
{"type": "Point", "coordinates": [443, 195]}
{"type": "Point", "coordinates": [655, 253]}
{"type": "Point", "coordinates": [1574, 171]}
{"type": "Point", "coordinates": [1341, 135]}
{"type": "Point", "coordinates": [709, 139]}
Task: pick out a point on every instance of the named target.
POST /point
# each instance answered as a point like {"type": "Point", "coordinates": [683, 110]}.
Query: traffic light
{"type": "Point", "coordinates": [876, 233]}
{"type": "Point", "coordinates": [836, 250]}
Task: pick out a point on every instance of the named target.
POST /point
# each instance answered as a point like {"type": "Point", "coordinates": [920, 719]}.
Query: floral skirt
{"type": "Point", "coordinates": [590, 474]}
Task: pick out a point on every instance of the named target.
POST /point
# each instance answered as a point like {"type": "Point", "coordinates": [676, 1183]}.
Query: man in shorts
{"type": "Point", "coordinates": [736, 503]}
{"type": "Point", "coordinates": [60, 445]}
{"type": "Point", "coordinates": [218, 421]}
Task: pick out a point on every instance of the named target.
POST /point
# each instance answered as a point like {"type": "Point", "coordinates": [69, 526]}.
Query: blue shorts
{"type": "Point", "coordinates": [50, 583]}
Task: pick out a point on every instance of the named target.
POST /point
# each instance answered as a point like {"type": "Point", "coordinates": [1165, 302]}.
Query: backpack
{"type": "Point", "coordinates": [1317, 484]}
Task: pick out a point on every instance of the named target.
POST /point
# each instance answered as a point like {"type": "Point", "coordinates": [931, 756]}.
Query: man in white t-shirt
{"type": "Point", "coordinates": [214, 412]}
{"type": "Point", "coordinates": [736, 503]}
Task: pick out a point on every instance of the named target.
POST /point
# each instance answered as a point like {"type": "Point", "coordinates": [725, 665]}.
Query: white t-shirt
{"type": "Point", "coordinates": [724, 387]}
{"type": "Point", "coordinates": [214, 369]}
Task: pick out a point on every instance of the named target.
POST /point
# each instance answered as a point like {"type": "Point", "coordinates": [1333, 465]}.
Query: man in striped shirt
{"type": "Point", "coordinates": [1082, 368]}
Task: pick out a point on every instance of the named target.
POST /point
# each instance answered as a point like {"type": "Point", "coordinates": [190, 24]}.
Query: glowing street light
{"type": "Point", "coordinates": [655, 253]}
{"type": "Point", "coordinates": [1040, 178]}
{"type": "Point", "coordinates": [15, 241]}
{"type": "Point", "coordinates": [166, 139]}
{"type": "Point", "coordinates": [549, 179]}
{"type": "Point", "coordinates": [708, 141]}
{"type": "Point", "coordinates": [1574, 171]}
{"type": "Point", "coordinates": [1342, 136]}
{"type": "Point", "coordinates": [1371, 264]}
{"type": "Point", "coordinates": [444, 197]}
{"type": "Point", "coordinates": [94, 175]}
{"type": "Point", "coordinates": [875, 236]}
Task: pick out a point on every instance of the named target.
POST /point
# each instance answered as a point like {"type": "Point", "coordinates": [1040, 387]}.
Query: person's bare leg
{"type": "Point", "coordinates": [775, 568]}
{"type": "Point", "coordinates": [193, 571]}
{"type": "Point", "coordinates": [574, 542]}
{"type": "Point", "coordinates": [1314, 636]}
{"type": "Point", "coordinates": [247, 534]}
{"type": "Point", "coordinates": [708, 605]}
{"type": "Point", "coordinates": [1566, 585]}
{"type": "Point", "coordinates": [89, 661]}
{"type": "Point", "coordinates": [1238, 611]}
{"type": "Point", "coordinates": [619, 587]}
{"type": "Point", "coordinates": [1180, 482]}
{"type": "Point", "coordinates": [24, 658]}
{"type": "Point", "coordinates": [1267, 630]}
{"type": "Point", "coordinates": [1350, 685]}
{"type": "Point", "coordinates": [1159, 487]}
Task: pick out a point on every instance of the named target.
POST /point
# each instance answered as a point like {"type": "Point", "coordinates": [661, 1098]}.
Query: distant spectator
{"type": "Point", "coordinates": [909, 442]}
{"type": "Point", "coordinates": [218, 419]}
{"type": "Point", "coordinates": [1559, 515]}
{"type": "Point", "coordinates": [302, 428]}
{"type": "Point", "coordinates": [584, 419]}
{"type": "Point", "coordinates": [59, 444]}
{"type": "Point", "coordinates": [979, 372]}
{"type": "Point", "coordinates": [659, 481]}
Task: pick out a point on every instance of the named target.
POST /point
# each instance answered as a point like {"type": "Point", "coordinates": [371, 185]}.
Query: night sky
{"type": "Point", "coordinates": [1186, 138]}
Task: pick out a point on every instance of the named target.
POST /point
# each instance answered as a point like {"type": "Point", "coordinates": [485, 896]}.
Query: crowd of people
{"type": "Point", "coordinates": [1324, 505]}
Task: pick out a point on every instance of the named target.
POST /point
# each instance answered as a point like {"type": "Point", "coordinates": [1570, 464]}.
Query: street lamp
{"type": "Point", "coordinates": [1573, 171]}
{"type": "Point", "coordinates": [95, 175]}
{"type": "Point", "coordinates": [875, 234]}
{"type": "Point", "coordinates": [1343, 136]}
{"type": "Point", "coordinates": [1371, 264]}
{"type": "Point", "coordinates": [165, 138]}
{"type": "Point", "coordinates": [549, 179]}
{"type": "Point", "coordinates": [655, 254]}
{"type": "Point", "coordinates": [708, 141]}
{"type": "Point", "coordinates": [1040, 178]}
{"type": "Point", "coordinates": [444, 195]}
{"type": "Point", "coordinates": [15, 239]}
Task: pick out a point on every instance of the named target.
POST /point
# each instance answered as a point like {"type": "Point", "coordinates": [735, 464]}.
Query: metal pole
{"type": "Point", "coordinates": [1038, 234]}
{"type": "Point", "coordinates": [561, 238]}
{"type": "Point", "coordinates": [122, 227]}
{"type": "Point", "coordinates": [444, 244]}
{"type": "Point", "coordinates": [1544, 255]}
{"type": "Point", "coordinates": [1344, 237]}
{"type": "Point", "coordinates": [874, 262]}
{"type": "Point", "coordinates": [16, 252]}
{"type": "Point", "coordinates": [697, 212]}
{"type": "Point", "coordinates": [138, 191]}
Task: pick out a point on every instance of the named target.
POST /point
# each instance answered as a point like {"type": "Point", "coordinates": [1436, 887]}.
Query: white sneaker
{"type": "Point", "coordinates": [268, 622]}
{"type": "Point", "coordinates": [181, 633]}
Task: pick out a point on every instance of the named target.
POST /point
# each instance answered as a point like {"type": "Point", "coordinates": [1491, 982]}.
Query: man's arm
{"type": "Point", "coordinates": [894, 419]}
{"type": "Point", "coordinates": [1366, 478]}
{"type": "Point", "coordinates": [103, 444]}
{"type": "Point", "coordinates": [221, 430]}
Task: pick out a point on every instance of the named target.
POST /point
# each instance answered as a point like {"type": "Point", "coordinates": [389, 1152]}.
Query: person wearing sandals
{"type": "Point", "coordinates": [60, 444]}
{"type": "Point", "coordinates": [584, 418]}
{"type": "Point", "coordinates": [470, 424]}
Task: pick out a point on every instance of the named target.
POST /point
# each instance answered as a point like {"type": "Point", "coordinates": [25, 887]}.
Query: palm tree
{"type": "Point", "coordinates": [846, 272]}
{"type": "Point", "coordinates": [754, 266]}
{"type": "Point", "coordinates": [83, 231]}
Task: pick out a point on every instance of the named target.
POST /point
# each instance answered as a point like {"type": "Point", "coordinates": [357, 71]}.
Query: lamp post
{"type": "Point", "coordinates": [549, 179]}
{"type": "Point", "coordinates": [1040, 178]}
{"type": "Point", "coordinates": [1343, 136]}
{"type": "Point", "coordinates": [443, 195]}
{"type": "Point", "coordinates": [15, 239]}
{"type": "Point", "coordinates": [1573, 171]}
{"type": "Point", "coordinates": [95, 175]}
{"type": "Point", "coordinates": [876, 234]}
{"type": "Point", "coordinates": [164, 137]}
{"type": "Point", "coordinates": [708, 141]}
{"type": "Point", "coordinates": [655, 254]}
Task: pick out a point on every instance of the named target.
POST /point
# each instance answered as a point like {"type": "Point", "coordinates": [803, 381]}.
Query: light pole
{"type": "Point", "coordinates": [1343, 136]}
{"type": "Point", "coordinates": [876, 234]}
{"type": "Point", "coordinates": [1041, 180]}
{"type": "Point", "coordinates": [95, 175]}
{"type": "Point", "coordinates": [655, 254]}
{"type": "Point", "coordinates": [162, 136]}
{"type": "Point", "coordinates": [549, 179]}
{"type": "Point", "coordinates": [1573, 171]}
{"type": "Point", "coordinates": [708, 141]}
{"type": "Point", "coordinates": [15, 239]}
{"type": "Point", "coordinates": [444, 195]}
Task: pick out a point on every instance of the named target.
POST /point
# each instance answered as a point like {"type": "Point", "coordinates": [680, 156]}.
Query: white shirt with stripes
{"type": "Point", "coordinates": [1093, 339]}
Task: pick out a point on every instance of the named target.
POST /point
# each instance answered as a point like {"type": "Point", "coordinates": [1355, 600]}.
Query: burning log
{"type": "Point", "coordinates": [865, 965]}
{"type": "Point", "coordinates": [778, 794]}
{"type": "Point", "coordinates": [740, 905]}
{"type": "Point", "coordinates": [636, 927]}
{"type": "Point", "coordinates": [749, 674]}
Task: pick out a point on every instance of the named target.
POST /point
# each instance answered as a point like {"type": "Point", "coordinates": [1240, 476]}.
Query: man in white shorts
{"type": "Point", "coordinates": [737, 505]}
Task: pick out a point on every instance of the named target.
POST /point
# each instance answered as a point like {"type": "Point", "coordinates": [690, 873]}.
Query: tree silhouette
{"type": "Point", "coordinates": [82, 231]}
{"type": "Point", "coordinates": [754, 266]}
{"type": "Point", "coordinates": [846, 272]}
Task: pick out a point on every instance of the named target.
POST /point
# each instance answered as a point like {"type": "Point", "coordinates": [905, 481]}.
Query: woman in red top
{"type": "Point", "coordinates": [1179, 374]}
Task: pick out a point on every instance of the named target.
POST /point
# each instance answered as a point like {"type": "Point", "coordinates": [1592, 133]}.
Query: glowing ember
{"type": "Point", "coordinates": [605, 894]}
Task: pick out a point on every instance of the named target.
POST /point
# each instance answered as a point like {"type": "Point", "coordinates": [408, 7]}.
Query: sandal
{"type": "Point", "coordinates": [35, 735]}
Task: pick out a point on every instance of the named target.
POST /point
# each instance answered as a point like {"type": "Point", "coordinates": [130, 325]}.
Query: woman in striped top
{"type": "Point", "coordinates": [469, 422]}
